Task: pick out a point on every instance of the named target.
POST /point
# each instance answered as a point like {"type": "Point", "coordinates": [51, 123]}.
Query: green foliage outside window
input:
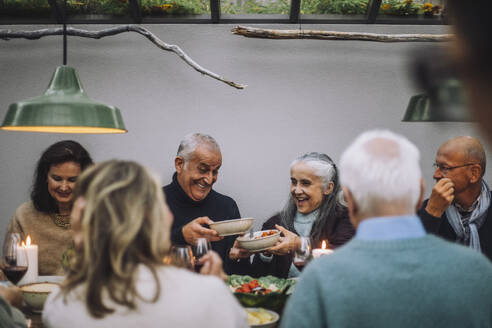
{"type": "Point", "coordinates": [408, 8]}
{"type": "Point", "coordinates": [24, 7]}
{"type": "Point", "coordinates": [42, 7]}
{"type": "Point", "coordinates": [102, 7]}
{"type": "Point", "coordinates": [197, 7]}
{"type": "Point", "coordinates": [175, 8]}
{"type": "Point", "coordinates": [399, 8]}
{"type": "Point", "coordinates": [255, 7]}
{"type": "Point", "coordinates": [334, 7]}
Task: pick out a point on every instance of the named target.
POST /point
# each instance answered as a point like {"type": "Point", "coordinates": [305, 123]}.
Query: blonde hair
{"type": "Point", "coordinates": [125, 223]}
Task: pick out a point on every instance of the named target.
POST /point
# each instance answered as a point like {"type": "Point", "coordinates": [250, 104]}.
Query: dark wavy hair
{"type": "Point", "coordinates": [330, 209]}
{"type": "Point", "coordinates": [60, 152]}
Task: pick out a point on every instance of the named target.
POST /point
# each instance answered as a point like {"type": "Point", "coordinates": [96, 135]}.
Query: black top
{"type": "Point", "coordinates": [341, 233]}
{"type": "Point", "coordinates": [216, 206]}
{"type": "Point", "coordinates": [441, 227]}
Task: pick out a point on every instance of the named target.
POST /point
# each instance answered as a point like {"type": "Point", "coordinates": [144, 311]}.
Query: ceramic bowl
{"type": "Point", "coordinates": [256, 243]}
{"type": "Point", "coordinates": [232, 227]}
{"type": "Point", "coordinates": [252, 312]}
{"type": "Point", "coordinates": [35, 294]}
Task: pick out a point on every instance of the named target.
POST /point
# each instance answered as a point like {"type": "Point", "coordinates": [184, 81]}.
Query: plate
{"type": "Point", "coordinates": [259, 312]}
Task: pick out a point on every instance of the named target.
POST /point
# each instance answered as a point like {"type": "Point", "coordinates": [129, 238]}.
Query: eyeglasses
{"type": "Point", "coordinates": [445, 169]}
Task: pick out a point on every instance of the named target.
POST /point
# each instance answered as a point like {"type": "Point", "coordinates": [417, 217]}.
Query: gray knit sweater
{"type": "Point", "coordinates": [420, 282]}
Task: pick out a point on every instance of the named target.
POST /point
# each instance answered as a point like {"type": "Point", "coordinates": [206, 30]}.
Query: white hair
{"type": "Point", "coordinates": [381, 167]}
{"type": "Point", "coordinates": [322, 165]}
{"type": "Point", "coordinates": [189, 143]}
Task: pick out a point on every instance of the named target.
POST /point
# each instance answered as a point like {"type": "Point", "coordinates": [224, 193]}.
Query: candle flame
{"type": "Point", "coordinates": [323, 245]}
{"type": "Point", "coordinates": [28, 240]}
{"type": "Point", "coordinates": [23, 244]}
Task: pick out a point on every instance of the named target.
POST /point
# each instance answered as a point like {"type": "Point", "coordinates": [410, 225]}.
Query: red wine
{"type": "Point", "coordinates": [11, 260]}
{"type": "Point", "coordinates": [15, 273]}
{"type": "Point", "coordinates": [300, 265]}
{"type": "Point", "coordinates": [198, 267]}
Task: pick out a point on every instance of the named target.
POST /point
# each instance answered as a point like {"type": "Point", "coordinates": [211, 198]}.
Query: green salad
{"type": "Point", "coordinates": [268, 292]}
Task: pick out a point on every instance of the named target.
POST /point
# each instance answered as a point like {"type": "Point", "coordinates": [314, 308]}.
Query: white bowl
{"type": "Point", "coordinates": [232, 227]}
{"type": "Point", "coordinates": [35, 294]}
{"type": "Point", "coordinates": [259, 244]}
{"type": "Point", "coordinates": [269, 324]}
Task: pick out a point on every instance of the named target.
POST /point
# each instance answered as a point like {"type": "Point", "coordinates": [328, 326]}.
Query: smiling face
{"type": "Point", "coordinates": [61, 181]}
{"type": "Point", "coordinates": [197, 175]}
{"type": "Point", "coordinates": [306, 188]}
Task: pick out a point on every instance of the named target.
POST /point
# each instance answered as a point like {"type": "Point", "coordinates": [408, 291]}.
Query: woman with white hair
{"type": "Point", "coordinates": [313, 210]}
{"type": "Point", "coordinates": [121, 230]}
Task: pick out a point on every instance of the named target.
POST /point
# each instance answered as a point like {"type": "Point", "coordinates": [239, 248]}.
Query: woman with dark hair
{"type": "Point", "coordinates": [122, 230]}
{"type": "Point", "coordinates": [46, 217]}
{"type": "Point", "coordinates": [313, 210]}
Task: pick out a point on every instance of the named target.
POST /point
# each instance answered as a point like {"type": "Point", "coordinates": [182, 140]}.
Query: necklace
{"type": "Point", "coordinates": [62, 221]}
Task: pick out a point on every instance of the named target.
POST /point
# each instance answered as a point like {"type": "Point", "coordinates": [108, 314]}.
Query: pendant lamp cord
{"type": "Point", "coordinates": [65, 33]}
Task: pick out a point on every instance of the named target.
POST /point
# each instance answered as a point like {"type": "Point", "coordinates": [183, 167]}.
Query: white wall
{"type": "Point", "coordinates": [303, 95]}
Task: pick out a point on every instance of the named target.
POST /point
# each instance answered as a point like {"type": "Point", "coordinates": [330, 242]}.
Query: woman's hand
{"type": "Point", "coordinates": [236, 252]}
{"type": "Point", "coordinates": [212, 265]}
{"type": "Point", "coordinates": [286, 244]}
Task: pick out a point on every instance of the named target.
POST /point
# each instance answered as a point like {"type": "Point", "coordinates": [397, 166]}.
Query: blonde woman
{"type": "Point", "coordinates": [121, 228]}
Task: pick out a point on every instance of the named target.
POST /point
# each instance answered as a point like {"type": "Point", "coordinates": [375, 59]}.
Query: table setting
{"type": "Point", "coordinates": [263, 298]}
{"type": "Point", "coordinates": [19, 265]}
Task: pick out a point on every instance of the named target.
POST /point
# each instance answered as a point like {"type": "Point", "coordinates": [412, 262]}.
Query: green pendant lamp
{"type": "Point", "coordinates": [63, 108]}
{"type": "Point", "coordinates": [445, 103]}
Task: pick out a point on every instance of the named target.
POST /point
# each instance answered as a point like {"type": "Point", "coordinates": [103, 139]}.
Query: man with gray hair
{"type": "Point", "coordinates": [193, 202]}
{"type": "Point", "coordinates": [391, 274]}
{"type": "Point", "coordinates": [458, 207]}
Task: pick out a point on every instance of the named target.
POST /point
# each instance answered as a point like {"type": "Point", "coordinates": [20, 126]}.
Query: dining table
{"type": "Point", "coordinates": [33, 318]}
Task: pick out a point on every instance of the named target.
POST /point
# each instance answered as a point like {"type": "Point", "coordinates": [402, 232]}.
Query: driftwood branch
{"type": "Point", "coordinates": [37, 34]}
{"type": "Point", "coordinates": [252, 32]}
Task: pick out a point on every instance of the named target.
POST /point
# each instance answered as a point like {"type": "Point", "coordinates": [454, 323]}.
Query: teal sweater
{"type": "Point", "coordinates": [420, 282]}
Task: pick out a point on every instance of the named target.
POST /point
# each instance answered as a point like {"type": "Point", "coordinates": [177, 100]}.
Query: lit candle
{"type": "Point", "coordinates": [317, 252]}
{"type": "Point", "coordinates": [31, 252]}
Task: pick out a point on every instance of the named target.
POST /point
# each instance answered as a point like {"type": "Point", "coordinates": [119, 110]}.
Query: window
{"type": "Point", "coordinates": [222, 11]}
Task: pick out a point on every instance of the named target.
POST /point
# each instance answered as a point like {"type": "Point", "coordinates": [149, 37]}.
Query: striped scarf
{"type": "Point", "coordinates": [467, 229]}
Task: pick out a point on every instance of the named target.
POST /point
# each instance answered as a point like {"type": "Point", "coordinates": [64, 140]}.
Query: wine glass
{"type": "Point", "coordinates": [182, 256]}
{"type": "Point", "coordinates": [14, 262]}
{"type": "Point", "coordinates": [301, 255]}
{"type": "Point", "coordinates": [202, 247]}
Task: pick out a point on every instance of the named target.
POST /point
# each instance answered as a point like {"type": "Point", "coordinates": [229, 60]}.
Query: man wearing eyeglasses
{"type": "Point", "coordinates": [458, 207]}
